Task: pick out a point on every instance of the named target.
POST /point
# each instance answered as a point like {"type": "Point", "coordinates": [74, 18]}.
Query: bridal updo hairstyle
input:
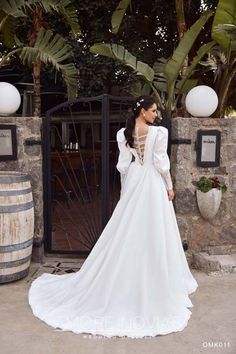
{"type": "Point", "coordinates": [145, 102]}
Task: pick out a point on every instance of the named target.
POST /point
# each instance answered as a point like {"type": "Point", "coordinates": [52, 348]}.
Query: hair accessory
{"type": "Point", "coordinates": [138, 103]}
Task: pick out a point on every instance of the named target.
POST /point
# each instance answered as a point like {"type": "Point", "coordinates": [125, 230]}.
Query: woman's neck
{"type": "Point", "coordinates": [140, 121]}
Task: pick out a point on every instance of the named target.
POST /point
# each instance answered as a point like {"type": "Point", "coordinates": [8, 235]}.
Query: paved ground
{"type": "Point", "coordinates": [211, 328]}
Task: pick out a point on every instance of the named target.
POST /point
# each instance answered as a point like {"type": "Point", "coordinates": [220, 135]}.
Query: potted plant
{"type": "Point", "coordinates": [209, 194]}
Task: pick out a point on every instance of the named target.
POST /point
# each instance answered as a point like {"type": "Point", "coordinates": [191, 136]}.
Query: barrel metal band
{"type": "Point", "coordinates": [14, 276]}
{"type": "Point", "coordinates": [16, 208]}
{"type": "Point", "coordinates": [17, 262]}
{"type": "Point", "coordinates": [14, 179]}
{"type": "Point", "coordinates": [15, 192]}
{"type": "Point", "coordinates": [16, 247]}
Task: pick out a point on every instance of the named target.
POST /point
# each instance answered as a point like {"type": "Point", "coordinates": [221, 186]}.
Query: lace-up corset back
{"type": "Point", "coordinates": [139, 144]}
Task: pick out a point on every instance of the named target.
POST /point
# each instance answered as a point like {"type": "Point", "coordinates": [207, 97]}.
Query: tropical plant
{"type": "Point", "coordinates": [41, 45]}
{"type": "Point", "coordinates": [118, 14]}
{"type": "Point", "coordinates": [163, 77]}
{"type": "Point", "coordinates": [224, 34]}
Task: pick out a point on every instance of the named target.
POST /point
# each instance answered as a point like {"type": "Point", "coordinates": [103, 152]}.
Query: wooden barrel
{"type": "Point", "coordinates": [16, 225]}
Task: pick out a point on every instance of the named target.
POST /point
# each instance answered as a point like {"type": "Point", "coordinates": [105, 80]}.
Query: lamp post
{"type": "Point", "coordinates": [10, 99]}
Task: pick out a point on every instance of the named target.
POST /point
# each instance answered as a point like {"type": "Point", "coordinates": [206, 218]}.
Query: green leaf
{"type": "Point", "coordinates": [118, 15]}
{"type": "Point", "coordinates": [184, 86]}
{"type": "Point", "coordinates": [200, 54]}
{"type": "Point", "coordinates": [121, 54]}
{"type": "Point", "coordinates": [174, 65]}
{"type": "Point", "coordinates": [3, 19]}
{"type": "Point", "coordinates": [53, 5]}
{"type": "Point", "coordinates": [7, 29]}
{"type": "Point", "coordinates": [16, 8]}
{"type": "Point", "coordinates": [139, 88]}
{"type": "Point", "coordinates": [159, 66]}
{"type": "Point", "coordinates": [65, 9]}
{"type": "Point", "coordinates": [70, 15]}
{"type": "Point", "coordinates": [230, 31]}
{"type": "Point", "coordinates": [160, 86]}
{"type": "Point", "coordinates": [225, 14]}
{"type": "Point", "coordinates": [53, 49]}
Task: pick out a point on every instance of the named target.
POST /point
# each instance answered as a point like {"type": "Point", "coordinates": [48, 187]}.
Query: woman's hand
{"type": "Point", "coordinates": [171, 194]}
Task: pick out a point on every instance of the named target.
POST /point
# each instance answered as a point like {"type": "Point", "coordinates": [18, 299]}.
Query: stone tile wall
{"type": "Point", "coordinates": [219, 234]}
{"type": "Point", "coordinates": [215, 236]}
{"type": "Point", "coordinates": [29, 161]}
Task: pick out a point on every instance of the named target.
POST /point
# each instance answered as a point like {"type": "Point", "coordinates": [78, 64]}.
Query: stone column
{"type": "Point", "coordinates": [218, 234]}
{"type": "Point", "coordinates": [29, 160]}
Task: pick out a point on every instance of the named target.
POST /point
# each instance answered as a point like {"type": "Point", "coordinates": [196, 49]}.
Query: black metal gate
{"type": "Point", "coordinates": [81, 183]}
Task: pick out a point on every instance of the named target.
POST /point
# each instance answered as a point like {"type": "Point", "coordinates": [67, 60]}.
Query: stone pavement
{"type": "Point", "coordinates": [211, 328]}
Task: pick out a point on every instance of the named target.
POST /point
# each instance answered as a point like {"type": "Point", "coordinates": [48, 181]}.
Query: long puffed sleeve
{"type": "Point", "coordinates": [160, 157]}
{"type": "Point", "coordinates": [125, 155]}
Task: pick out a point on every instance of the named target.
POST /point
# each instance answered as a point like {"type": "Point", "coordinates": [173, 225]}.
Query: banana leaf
{"type": "Point", "coordinates": [118, 15]}
{"type": "Point", "coordinates": [184, 86]}
{"type": "Point", "coordinates": [200, 53]}
{"type": "Point", "coordinates": [174, 65]}
{"type": "Point", "coordinates": [65, 9]}
{"type": "Point", "coordinates": [230, 32]}
{"type": "Point", "coordinates": [160, 86]}
{"type": "Point", "coordinates": [138, 89]}
{"type": "Point", "coordinates": [225, 14]}
{"type": "Point", "coordinates": [121, 54]}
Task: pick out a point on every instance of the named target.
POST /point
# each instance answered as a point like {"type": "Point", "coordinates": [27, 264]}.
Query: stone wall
{"type": "Point", "coordinates": [29, 161]}
{"type": "Point", "coordinates": [217, 236]}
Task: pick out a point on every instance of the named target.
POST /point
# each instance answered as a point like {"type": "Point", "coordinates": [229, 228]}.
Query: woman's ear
{"type": "Point", "coordinates": [142, 112]}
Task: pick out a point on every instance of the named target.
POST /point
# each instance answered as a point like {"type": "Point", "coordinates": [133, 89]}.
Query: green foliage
{"type": "Point", "coordinates": [148, 31]}
{"type": "Point", "coordinates": [119, 53]}
{"type": "Point", "coordinates": [118, 15]}
{"type": "Point", "coordinates": [204, 184]}
{"type": "Point", "coordinates": [36, 41]}
{"type": "Point", "coordinates": [53, 49]}
{"type": "Point", "coordinates": [223, 32]}
{"type": "Point", "coordinates": [173, 66]}
{"type": "Point", "coordinates": [225, 14]}
{"type": "Point", "coordinates": [164, 76]}
{"type": "Point", "coordinates": [230, 31]}
{"type": "Point", "coordinates": [7, 29]}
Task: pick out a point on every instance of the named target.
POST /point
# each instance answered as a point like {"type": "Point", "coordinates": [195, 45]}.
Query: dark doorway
{"type": "Point", "coordinates": [81, 183]}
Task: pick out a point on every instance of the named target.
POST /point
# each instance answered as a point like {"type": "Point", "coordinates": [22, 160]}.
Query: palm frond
{"type": "Point", "coordinates": [70, 15]}
{"type": "Point", "coordinates": [16, 8]}
{"type": "Point", "coordinates": [7, 29]}
{"type": "Point", "coordinates": [65, 9]}
{"type": "Point", "coordinates": [53, 49]}
{"type": "Point", "coordinates": [53, 5]}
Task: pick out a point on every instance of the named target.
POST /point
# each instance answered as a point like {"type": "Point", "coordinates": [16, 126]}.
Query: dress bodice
{"type": "Point", "coordinates": [139, 144]}
{"type": "Point", "coordinates": [149, 150]}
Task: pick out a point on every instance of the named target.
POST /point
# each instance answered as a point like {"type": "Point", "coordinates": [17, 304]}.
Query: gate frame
{"type": "Point", "coordinates": [105, 132]}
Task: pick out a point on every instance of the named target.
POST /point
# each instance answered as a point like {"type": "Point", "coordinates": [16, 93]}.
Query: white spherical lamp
{"type": "Point", "coordinates": [9, 99]}
{"type": "Point", "coordinates": [201, 101]}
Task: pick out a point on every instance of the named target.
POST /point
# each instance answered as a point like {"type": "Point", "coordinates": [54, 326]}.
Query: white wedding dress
{"type": "Point", "coordinates": [136, 280]}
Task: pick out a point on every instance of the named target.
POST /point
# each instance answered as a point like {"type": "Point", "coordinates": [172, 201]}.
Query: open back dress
{"type": "Point", "coordinates": [136, 280]}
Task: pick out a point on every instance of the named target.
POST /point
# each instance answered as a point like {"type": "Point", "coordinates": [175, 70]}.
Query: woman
{"type": "Point", "coordinates": [136, 280]}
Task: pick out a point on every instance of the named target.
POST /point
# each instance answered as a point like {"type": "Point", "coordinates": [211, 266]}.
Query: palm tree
{"type": "Point", "coordinates": [41, 45]}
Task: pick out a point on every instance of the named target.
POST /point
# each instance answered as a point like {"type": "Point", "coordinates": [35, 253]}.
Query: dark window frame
{"type": "Point", "coordinates": [12, 129]}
